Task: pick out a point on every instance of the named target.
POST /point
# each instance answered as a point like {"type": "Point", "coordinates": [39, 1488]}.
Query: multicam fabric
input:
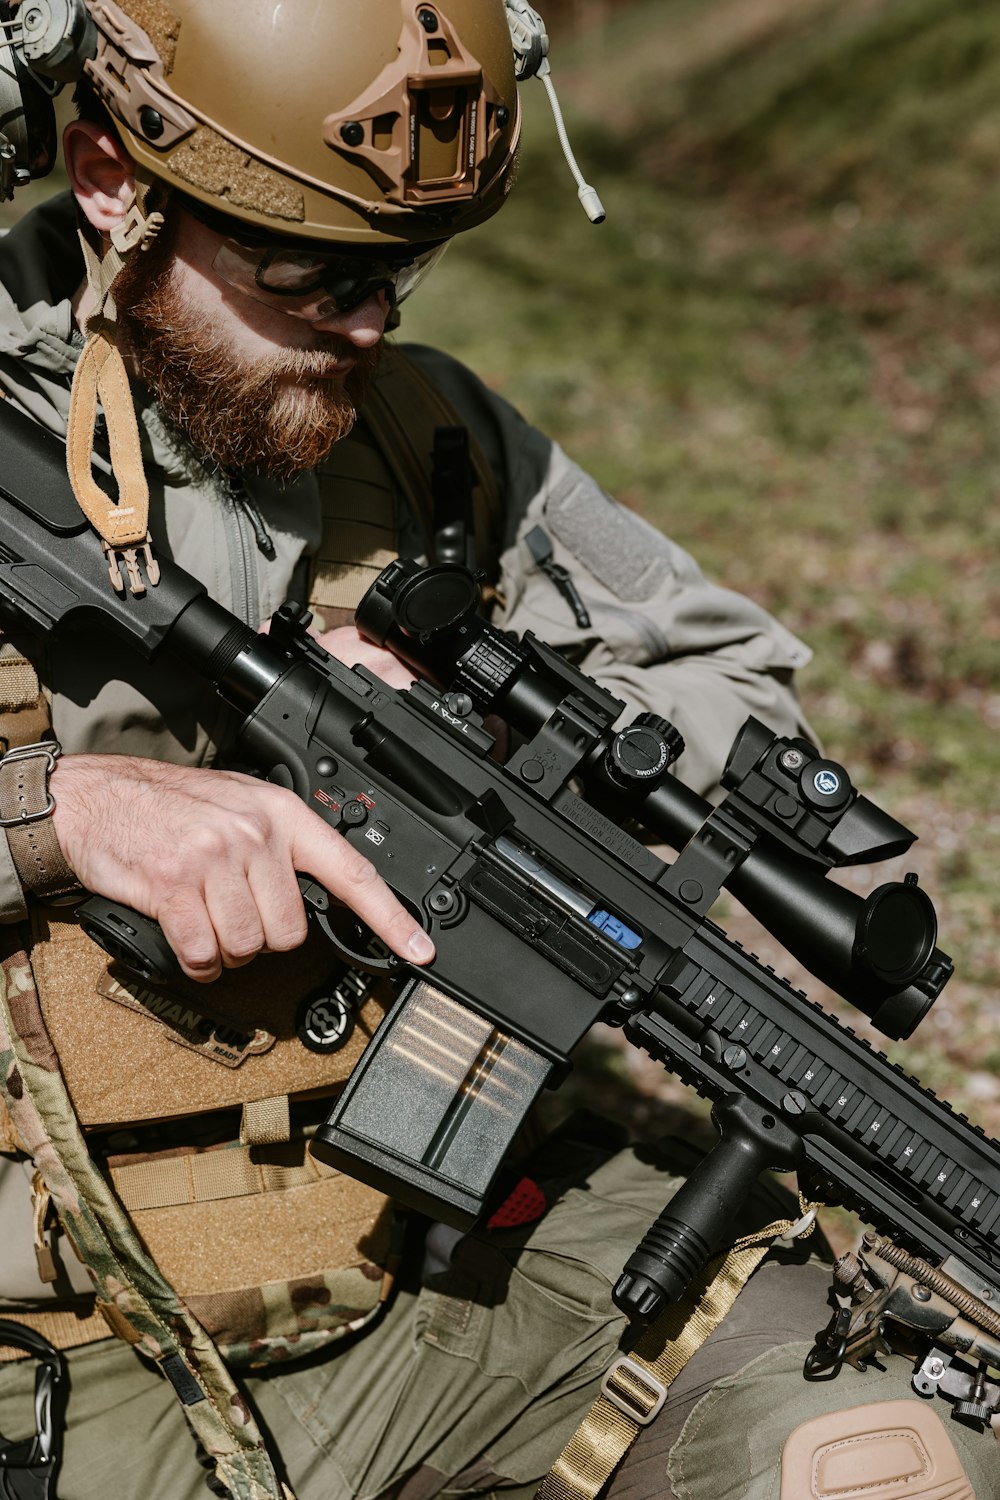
{"type": "Point", "coordinates": [135, 1299]}
{"type": "Point", "coordinates": [274, 1254]}
{"type": "Point", "coordinates": [288, 1320]}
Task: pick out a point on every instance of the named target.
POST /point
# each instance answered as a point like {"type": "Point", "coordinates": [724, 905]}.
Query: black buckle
{"type": "Point", "coordinates": [28, 1467]}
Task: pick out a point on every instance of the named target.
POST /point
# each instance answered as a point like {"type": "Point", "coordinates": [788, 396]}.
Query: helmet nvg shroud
{"type": "Point", "coordinates": [364, 121]}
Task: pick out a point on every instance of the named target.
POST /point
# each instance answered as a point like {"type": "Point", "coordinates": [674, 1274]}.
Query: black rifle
{"type": "Point", "coordinates": [548, 916]}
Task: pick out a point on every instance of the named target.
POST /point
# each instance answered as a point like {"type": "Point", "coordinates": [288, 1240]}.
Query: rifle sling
{"type": "Point", "coordinates": [641, 1380]}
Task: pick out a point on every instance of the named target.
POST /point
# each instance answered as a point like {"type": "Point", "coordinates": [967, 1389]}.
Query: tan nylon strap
{"type": "Point", "coordinates": [19, 686]}
{"type": "Point", "coordinates": [25, 726]}
{"type": "Point", "coordinates": [100, 374]}
{"type": "Point", "coordinates": [137, 230]}
{"type": "Point", "coordinates": [41, 1204]}
{"type": "Point", "coordinates": [102, 273]}
{"type": "Point", "coordinates": [24, 709]}
{"type": "Point", "coordinates": [265, 1122]}
{"type": "Point", "coordinates": [207, 1176]}
{"type": "Point", "coordinates": [63, 1328]}
{"type": "Point", "coordinates": [606, 1433]}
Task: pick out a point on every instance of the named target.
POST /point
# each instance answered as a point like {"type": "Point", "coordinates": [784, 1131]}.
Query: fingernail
{"type": "Point", "coordinates": [420, 948]}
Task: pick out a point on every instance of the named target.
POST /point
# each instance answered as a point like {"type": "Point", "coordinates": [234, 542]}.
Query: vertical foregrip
{"type": "Point", "coordinates": [701, 1214]}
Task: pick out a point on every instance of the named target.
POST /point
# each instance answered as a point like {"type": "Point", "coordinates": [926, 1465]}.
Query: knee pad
{"type": "Point", "coordinates": [890, 1450]}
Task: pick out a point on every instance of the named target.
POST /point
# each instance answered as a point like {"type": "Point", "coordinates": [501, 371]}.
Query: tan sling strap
{"type": "Point", "coordinates": [388, 459]}
{"type": "Point", "coordinates": [635, 1387]}
{"type": "Point", "coordinates": [100, 376]}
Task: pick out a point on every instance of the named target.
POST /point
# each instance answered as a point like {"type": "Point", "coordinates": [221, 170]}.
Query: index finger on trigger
{"type": "Point", "coordinates": [354, 880]}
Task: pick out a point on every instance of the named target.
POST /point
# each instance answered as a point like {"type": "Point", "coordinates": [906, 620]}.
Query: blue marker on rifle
{"type": "Point", "coordinates": [614, 928]}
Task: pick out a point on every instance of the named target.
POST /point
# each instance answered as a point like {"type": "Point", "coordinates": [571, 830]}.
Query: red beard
{"type": "Point", "coordinates": [279, 415]}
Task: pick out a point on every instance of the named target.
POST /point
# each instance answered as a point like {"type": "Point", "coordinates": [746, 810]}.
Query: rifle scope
{"type": "Point", "coordinates": [799, 811]}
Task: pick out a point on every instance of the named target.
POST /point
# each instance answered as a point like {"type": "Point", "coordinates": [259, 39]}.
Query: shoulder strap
{"type": "Point", "coordinates": [387, 460]}
{"type": "Point", "coordinates": [136, 1301]}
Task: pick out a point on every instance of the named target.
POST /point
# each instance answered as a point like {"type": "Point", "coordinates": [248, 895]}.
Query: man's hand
{"type": "Point", "coordinates": [213, 856]}
{"type": "Point", "coordinates": [348, 645]}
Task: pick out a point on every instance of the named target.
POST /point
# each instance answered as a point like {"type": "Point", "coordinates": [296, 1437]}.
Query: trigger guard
{"type": "Point", "coordinates": [390, 965]}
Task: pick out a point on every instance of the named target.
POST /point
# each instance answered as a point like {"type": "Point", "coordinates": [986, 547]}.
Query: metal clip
{"type": "Point", "coordinates": [129, 556]}
{"type": "Point", "coordinates": [639, 1396]}
{"type": "Point", "coordinates": [830, 1349]}
{"type": "Point", "coordinates": [12, 176]}
{"type": "Point", "coordinates": [135, 229]}
{"type": "Point", "coordinates": [28, 1466]}
{"type": "Point", "coordinates": [51, 751]}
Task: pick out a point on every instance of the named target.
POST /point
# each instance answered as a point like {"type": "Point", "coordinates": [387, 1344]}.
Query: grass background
{"type": "Point", "coordinates": [783, 348]}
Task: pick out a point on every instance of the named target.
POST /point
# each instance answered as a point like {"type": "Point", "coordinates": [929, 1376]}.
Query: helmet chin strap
{"type": "Point", "coordinates": [122, 525]}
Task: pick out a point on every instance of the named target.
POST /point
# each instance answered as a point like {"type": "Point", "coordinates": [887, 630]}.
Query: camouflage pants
{"type": "Point", "coordinates": [480, 1371]}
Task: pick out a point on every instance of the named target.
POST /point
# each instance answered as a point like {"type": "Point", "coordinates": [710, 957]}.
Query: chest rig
{"type": "Point", "coordinates": [169, 1126]}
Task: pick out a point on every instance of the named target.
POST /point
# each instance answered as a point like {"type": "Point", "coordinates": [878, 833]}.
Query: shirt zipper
{"type": "Point", "coordinates": [244, 530]}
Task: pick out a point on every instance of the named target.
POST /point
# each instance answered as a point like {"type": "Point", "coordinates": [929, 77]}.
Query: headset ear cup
{"type": "Point", "coordinates": [28, 140]}
{"type": "Point", "coordinates": [40, 124]}
{"type": "Point", "coordinates": [528, 37]}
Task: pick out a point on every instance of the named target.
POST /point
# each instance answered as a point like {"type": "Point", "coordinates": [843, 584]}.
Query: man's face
{"type": "Point", "coordinates": [254, 388]}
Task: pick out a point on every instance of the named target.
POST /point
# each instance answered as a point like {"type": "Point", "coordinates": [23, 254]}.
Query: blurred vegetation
{"type": "Point", "coordinates": [783, 347]}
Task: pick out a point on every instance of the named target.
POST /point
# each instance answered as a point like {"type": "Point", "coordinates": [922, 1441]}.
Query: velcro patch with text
{"type": "Point", "coordinates": [219, 1042]}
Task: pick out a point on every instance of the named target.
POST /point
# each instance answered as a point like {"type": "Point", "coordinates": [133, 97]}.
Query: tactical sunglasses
{"type": "Point", "coordinates": [303, 279]}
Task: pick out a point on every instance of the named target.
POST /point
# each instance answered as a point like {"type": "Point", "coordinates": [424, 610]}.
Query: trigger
{"type": "Point", "coordinates": [318, 908]}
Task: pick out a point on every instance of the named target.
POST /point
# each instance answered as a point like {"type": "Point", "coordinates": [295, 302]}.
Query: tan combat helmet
{"type": "Point", "coordinates": [340, 120]}
{"type": "Point", "coordinates": [365, 121]}
{"type": "Point", "coordinates": [350, 139]}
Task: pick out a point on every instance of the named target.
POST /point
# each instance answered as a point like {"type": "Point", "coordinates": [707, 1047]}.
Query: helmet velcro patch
{"type": "Point", "coordinates": [208, 161]}
{"type": "Point", "coordinates": [160, 22]}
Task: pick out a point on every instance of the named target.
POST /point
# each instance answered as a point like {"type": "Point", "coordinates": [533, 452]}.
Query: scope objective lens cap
{"type": "Point", "coordinates": [436, 600]}
{"type": "Point", "coordinates": [896, 933]}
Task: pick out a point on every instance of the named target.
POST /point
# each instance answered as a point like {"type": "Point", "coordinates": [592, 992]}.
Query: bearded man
{"type": "Point", "coordinates": [256, 187]}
